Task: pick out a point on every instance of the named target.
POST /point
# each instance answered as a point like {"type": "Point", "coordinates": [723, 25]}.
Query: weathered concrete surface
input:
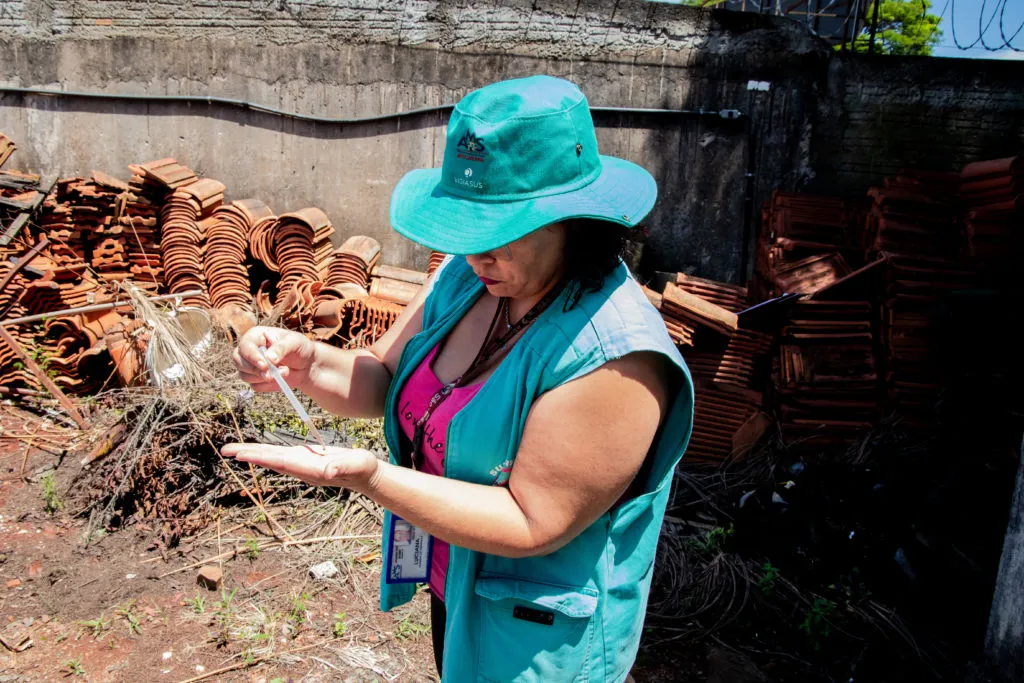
{"type": "Point", "coordinates": [354, 59]}
{"type": "Point", "coordinates": [816, 127]}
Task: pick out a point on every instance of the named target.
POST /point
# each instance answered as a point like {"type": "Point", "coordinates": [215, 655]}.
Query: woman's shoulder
{"type": "Point", "coordinates": [605, 325]}
{"type": "Point", "coordinates": [620, 309]}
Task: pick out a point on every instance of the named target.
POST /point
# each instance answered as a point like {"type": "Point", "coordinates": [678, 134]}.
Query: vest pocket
{"type": "Point", "coordinates": [532, 631]}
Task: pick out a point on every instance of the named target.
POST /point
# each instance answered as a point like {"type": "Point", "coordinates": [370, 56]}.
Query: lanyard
{"type": "Point", "coordinates": [490, 347]}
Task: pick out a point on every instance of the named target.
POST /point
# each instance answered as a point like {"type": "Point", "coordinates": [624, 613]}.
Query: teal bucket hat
{"type": "Point", "coordinates": [519, 155]}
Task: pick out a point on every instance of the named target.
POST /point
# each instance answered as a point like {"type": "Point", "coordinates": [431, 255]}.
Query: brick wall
{"type": "Point", "coordinates": [886, 114]}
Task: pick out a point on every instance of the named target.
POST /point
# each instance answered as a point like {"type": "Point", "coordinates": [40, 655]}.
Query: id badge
{"type": "Point", "coordinates": [411, 548]}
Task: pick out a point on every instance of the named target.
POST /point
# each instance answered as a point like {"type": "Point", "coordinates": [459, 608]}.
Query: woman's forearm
{"type": "Point", "coordinates": [351, 383]}
{"type": "Point", "coordinates": [482, 518]}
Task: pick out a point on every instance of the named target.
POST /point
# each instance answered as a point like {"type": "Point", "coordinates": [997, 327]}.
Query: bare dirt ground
{"type": "Point", "coordinates": [112, 610]}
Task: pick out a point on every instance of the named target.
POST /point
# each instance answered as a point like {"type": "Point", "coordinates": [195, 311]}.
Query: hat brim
{"type": "Point", "coordinates": [421, 210]}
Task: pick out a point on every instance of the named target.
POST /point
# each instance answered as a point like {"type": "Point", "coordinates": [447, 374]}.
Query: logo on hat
{"type": "Point", "coordinates": [468, 172]}
{"type": "Point", "coordinates": [471, 147]}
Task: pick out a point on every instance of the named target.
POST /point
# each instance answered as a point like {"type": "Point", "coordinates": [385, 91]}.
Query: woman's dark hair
{"type": "Point", "coordinates": [593, 249]}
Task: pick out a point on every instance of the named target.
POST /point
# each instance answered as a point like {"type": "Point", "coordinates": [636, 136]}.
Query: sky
{"type": "Point", "coordinates": [966, 13]}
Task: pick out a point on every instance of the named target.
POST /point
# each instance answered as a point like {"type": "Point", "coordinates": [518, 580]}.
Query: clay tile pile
{"type": "Point", "coordinates": [155, 179]}
{"type": "Point", "coordinates": [185, 217]}
{"type": "Point", "coordinates": [91, 208]}
{"type": "Point", "coordinates": [915, 213]}
{"type": "Point", "coordinates": [99, 222]}
{"type": "Point", "coordinates": [811, 274]}
{"type": "Point", "coordinates": [680, 332]}
{"type": "Point", "coordinates": [732, 298]}
{"type": "Point", "coordinates": [70, 243]}
{"type": "Point", "coordinates": [207, 193]}
{"type": "Point", "coordinates": [224, 261]}
{"type": "Point", "coordinates": [168, 231]}
{"type": "Point", "coordinates": [10, 296]}
{"type": "Point", "coordinates": [806, 242]}
{"type": "Point", "coordinates": [911, 341]}
{"type": "Point", "coordinates": [731, 362]}
{"type": "Point", "coordinates": [694, 312]}
{"type": "Point", "coordinates": [725, 426]}
{"type": "Point", "coordinates": [261, 243]}
{"type": "Point", "coordinates": [684, 312]}
{"type": "Point", "coordinates": [992, 193]}
{"type": "Point", "coordinates": [345, 311]}
{"type": "Point", "coordinates": [367, 319]}
{"type": "Point", "coordinates": [826, 378]}
{"type": "Point", "coordinates": [399, 285]}
{"type": "Point", "coordinates": [298, 306]}
{"type": "Point", "coordinates": [77, 347]}
{"type": "Point", "coordinates": [913, 226]}
{"type": "Point", "coordinates": [139, 218]}
{"type": "Point", "coordinates": [20, 195]}
{"type": "Point", "coordinates": [302, 247]}
{"type": "Point", "coordinates": [71, 355]}
{"type": "Point", "coordinates": [725, 363]}
{"type": "Point", "coordinates": [352, 262]}
{"type": "Point", "coordinates": [436, 257]}
{"type": "Point", "coordinates": [728, 420]}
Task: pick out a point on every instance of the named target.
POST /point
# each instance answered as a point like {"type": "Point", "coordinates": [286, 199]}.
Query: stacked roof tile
{"type": "Point", "coordinates": [186, 216]}
{"type": "Point", "coordinates": [436, 258]}
{"type": "Point", "coordinates": [992, 193]}
{"type": "Point", "coordinates": [302, 247]}
{"type": "Point", "coordinates": [826, 377]}
{"type": "Point", "coordinates": [915, 214]}
{"type": "Point", "coordinates": [725, 363]}
{"type": "Point", "coordinates": [399, 285]}
{"type": "Point", "coordinates": [226, 243]}
{"type": "Point", "coordinates": [352, 262]}
{"type": "Point", "coordinates": [806, 242]}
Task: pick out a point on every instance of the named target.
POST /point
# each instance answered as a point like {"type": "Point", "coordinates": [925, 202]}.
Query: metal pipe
{"type": "Point", "coordinates": [93, 308]}
{"type": "Point", "coordinates": [728, 114]}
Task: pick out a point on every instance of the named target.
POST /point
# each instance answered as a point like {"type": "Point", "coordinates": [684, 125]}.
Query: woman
{"type": "Point", "coordinates": [534, 406]}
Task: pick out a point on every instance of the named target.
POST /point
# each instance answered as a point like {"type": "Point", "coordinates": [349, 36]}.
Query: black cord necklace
{"type": "Point", "coordinates": [488, 349]}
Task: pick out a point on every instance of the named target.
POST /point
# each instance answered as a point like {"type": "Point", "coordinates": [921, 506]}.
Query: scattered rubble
{"type": "Point", "coordinates": [323, 571]}
{"type": "Point", "coordinates": [210, 577]}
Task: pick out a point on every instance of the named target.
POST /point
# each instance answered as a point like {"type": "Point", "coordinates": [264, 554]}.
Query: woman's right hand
{"type": "Point", "coordinates": [291, 352]}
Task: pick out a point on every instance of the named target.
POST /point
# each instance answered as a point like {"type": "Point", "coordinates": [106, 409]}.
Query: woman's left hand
{"type": "Point", "coordinates": [352, 468]}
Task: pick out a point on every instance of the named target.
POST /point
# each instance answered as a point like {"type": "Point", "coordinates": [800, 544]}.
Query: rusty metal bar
{"type": "Point", "coordinates": [93, 308]}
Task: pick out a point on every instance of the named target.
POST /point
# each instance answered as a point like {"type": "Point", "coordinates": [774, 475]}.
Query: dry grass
{"type": "Point", "coordinates": [168, 474]}
{"type": "Point", "coordinates": [708, 587]}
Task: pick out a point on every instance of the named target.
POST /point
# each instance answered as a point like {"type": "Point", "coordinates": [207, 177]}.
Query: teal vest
{"type": "Point", "coordinates": [596, 586]}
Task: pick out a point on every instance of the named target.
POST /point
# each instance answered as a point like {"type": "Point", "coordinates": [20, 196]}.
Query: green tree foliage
{"type": "Point", "coordinates": [905, 27]}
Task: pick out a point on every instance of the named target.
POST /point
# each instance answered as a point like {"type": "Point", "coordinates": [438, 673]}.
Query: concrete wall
{"type": "Point", "coordinates": [351, 58]}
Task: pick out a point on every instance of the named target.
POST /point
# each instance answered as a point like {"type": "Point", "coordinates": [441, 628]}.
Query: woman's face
{"type": "Point", "coordinates": [525, 268]}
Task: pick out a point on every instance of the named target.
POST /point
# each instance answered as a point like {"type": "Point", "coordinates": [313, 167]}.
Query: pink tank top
{"type": "Point", "coordinates": [412, 403]}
